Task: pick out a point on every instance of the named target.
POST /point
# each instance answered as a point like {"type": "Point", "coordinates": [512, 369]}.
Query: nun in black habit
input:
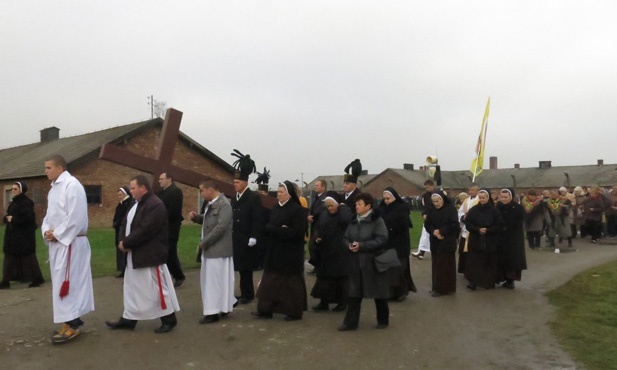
{"type": "Point", "coordinates": [332, 285]}
{"type": "Point", "coordinates": [443, 227]}
{"type": "Point", "coordinates": [20, 262]}
{"type": "Point", "coordinates": [484, 225]}
{"type": "Point", "coordinates": [395, 214]}
{"type": "Point", "coordinates": [511, 253]}
{"type": "Point", "coordinates": [282, 288]}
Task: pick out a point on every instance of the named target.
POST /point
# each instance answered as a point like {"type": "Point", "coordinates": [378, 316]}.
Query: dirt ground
{"type": "Point", "coordinates": [498, 329]}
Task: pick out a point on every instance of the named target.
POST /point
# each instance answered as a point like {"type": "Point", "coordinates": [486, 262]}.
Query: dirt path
{"type": "Point", "coordinates": [495, 329]}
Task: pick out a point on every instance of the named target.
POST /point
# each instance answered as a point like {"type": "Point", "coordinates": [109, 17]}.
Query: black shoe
{"type": "Point", "coordinates": [5, 285]}
{"type": "Point", "coordinates": [223, 314]}
{"type": "Point", "coordinates": [121, 324]}
{"type": "Point", "coordinates": [177, 284]}
{"type": "Point", "coordinates": [292, 318]}
{"type": "Point", "coordinates": [243, 300]}
{"type": "Point", "coordinates": [321, 307]}
{"type": "Point", "coordinates": [36, 284]}
{"type": "Point", "coordinates": [339, 307]}
{"type": "Point", "coordinates": [402, 297]}
{"type": "Point", "coordinates": [381, 326]}
{"type": "Point", "coordinates": [165, 328]}
{"type": "Point", "coordinates": [120, 276]}
{"type": "Point", "coordinates": [472, 286]}
{"type": "Point", "coordinates": [345, 328]}
{"type": "Point", "coordinates": [262, 315]}
{"type": "Point", "coordinates": [509, 284]}
{"type": "Point", "coordinates": [209, 319]}
{"type": "Point", "coordinates": [436, 294]}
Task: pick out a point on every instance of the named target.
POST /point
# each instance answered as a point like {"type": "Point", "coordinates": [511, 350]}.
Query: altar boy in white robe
{"type": "Point", "coordinates": [215, 254]}
{"type": "Point", "coordinates": [148, 287]}
{"type": "Point", "coordinates": [64, 231]}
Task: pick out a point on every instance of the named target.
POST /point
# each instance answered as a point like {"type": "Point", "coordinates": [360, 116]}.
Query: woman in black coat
{"type": "Point", "coordinates": [366, 237]}
{"type": "Point", "coordinates": [20, 262]}
{"type": "Point", "coordinates": [332, 285]}
{"type": "Point", "coordinates": [511, 253]}
{"type": "Point", "coordinates": [484, 225]}
{"type": "Point", "coordinates": [443, 227]}
{"type": "Point", "coordinates": [395, 214]}
{"type": "Point", "coordinates": [125, 203]}
{"type": "Point", "coordinates": [282, 288]}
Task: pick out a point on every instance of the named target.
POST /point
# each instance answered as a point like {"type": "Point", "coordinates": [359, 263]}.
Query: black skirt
{"type": "Point", "coordinates": [444, 272]}
{"type": "Point", "coordinates": [331, 289]}
{"type": "Point", "coordinates": [279, 293]}
{"type": "Point", "coordinates": [23, 268]}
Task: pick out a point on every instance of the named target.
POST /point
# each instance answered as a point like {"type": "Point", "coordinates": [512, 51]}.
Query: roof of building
{"type": "Point", "coordinates": [28, 160]}
{"type": "Point", "coordinates": [530, 177]}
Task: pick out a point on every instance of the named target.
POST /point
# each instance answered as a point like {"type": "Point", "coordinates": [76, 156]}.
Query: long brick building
{"type": "Point", "coordinates": [102, 178]}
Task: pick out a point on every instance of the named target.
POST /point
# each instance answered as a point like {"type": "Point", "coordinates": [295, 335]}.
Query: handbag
{"type": "Point", "coordinates": [386, 260]}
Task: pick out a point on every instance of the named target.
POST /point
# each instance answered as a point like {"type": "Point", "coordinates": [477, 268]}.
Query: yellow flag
{"type": "Point", "coordinates": [478, 159]}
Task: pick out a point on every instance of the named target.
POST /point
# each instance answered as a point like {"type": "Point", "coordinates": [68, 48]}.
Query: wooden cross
{"type": "Point", "coordinates": [162, 160]}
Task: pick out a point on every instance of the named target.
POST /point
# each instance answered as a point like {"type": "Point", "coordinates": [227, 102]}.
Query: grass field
{"type": "Point", "coordinates": [586, 322]}
{"type": "Point", "coordinates": [103, 250]}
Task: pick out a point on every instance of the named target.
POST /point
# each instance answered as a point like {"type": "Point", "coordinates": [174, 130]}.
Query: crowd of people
{"type": "Point", "coordinates": [357, 247]}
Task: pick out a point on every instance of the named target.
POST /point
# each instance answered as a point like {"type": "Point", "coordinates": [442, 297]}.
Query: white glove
{"type": "Point", "coordinates": [252, 242]}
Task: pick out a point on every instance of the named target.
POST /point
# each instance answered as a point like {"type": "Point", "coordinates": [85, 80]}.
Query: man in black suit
{"type": "Point", "coordinates": [172, 197]}
{"type": "Point", "coordinates": [248, 223]}
{"type": "Point", "coordinates": [316, 207]}
{"type": "Point", "coordinates": [351, 190]}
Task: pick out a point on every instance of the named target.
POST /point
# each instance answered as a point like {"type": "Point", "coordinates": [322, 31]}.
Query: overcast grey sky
{"type": "Point", "coordinates": [307, 86]}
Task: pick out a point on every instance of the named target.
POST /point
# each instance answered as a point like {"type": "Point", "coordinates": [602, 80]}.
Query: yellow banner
{"type": "Point", "coordinates": [478, 159]}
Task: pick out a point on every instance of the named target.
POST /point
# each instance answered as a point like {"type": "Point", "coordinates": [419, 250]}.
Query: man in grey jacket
{"type": "Point", "coordinates": [215, 253]}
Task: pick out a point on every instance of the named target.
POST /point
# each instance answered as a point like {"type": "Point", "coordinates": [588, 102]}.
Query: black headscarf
{"type": "Point", "coordinates": [442, 195]}
{"type": "Point", "coordinates": [291, 189]}
{"type": "Point", "coordinates": [22, 186]}
{"type": "Point", "coordinates": [490, 198]}
{"type": "Point", "coordinates": [397, 198]}
{"type": "Point", "coordinates": [334, 195]}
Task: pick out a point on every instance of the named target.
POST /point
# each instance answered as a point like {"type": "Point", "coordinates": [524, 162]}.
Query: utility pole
{"type": "Point", "coordinates": [151, 103]}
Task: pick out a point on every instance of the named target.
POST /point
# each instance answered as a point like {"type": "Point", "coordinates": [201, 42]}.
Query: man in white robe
{"type": "Point", "coordinates": [148, 287]}
{"type": "Point", "coordinates": [64, 230]}
{"type": "Point", "coordinates": [216, 253]}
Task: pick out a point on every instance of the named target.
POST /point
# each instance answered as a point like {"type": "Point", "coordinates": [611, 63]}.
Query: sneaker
{"type": "Point", "coordinates": [65, 334]}
{"type": "Point", "coordinates": [418, 255]}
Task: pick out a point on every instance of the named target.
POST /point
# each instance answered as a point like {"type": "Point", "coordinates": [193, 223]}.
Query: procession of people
{"type": "Point", "coordinates": [359, 246]}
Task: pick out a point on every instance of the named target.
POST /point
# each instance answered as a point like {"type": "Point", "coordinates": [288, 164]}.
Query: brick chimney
{"type": "Point", "coordinates": [49, 134]}
{"type": "Point", "coordinates": [544, 164]}
{"type": "Point", "coordinates": [492, 163]}
{"type": "Point", "coordinates": [408, 166]}
{"type": "Point", "coordinates": [517, 165]}
{"type": "Point", "coordinates": [600, 162]}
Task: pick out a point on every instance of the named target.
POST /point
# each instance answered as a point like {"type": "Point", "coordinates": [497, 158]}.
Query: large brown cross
{"type": "Point", "coordinates": [162, 160]}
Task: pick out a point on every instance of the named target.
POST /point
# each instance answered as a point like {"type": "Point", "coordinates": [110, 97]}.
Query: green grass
{"type": "Point", "coordinates": [586, 323]}
{"type": "Point", "coordinates": [103, 259]}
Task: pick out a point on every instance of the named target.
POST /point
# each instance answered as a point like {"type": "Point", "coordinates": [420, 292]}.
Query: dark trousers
{"type": "Point", "coordinates": [352, 316]}
{"type": "Point", "coordinates": [594, 228]}
{"type": "Point", "coordinates": [167, 319]}
{"type": "Point", "coordinates": [173, 262]}
{"type": "Point", "coordinates": [611, 225]}
{"type": "Point", "coordinates": [120, 260]}
{"type": "Point", "coordinates": [534, 238]}
{"type": "Point", "coordinates": [247, 289]}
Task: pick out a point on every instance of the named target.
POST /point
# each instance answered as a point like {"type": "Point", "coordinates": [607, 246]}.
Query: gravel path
{"type": "Point", "coordinates": [497, 329]}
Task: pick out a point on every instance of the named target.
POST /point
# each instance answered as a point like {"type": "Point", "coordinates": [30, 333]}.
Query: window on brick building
{"type": "Point", "coordinates": [94, 194]}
